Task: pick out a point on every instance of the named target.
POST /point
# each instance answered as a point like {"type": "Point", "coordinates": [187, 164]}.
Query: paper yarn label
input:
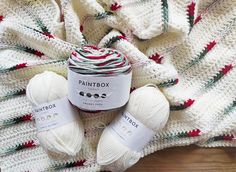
{"type": "Point", "coordinates": [98, 93]}
{"type": "Point", "coordinates": [130, 131]}
{"type": "Point", "coordinates": [53, 114]}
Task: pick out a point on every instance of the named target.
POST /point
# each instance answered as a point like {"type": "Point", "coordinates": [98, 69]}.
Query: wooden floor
{"type": "Point", "coordinates": [188, 159]}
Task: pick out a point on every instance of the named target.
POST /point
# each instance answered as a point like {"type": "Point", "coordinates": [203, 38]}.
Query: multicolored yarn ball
{"type": "Point", "coordinates": [63, 140]}
{"type": "Point", "coordinates": [98, 78]}
{"type": "Point", "coordinates": [105, 62]}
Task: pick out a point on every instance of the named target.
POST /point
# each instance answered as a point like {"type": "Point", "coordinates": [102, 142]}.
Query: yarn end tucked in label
{"type": "Point", "coordinates": [131, 132]}
{"type": "Point", "coordinates": [90, 92]}
{"type": "Point", "coordinates": [53, 114]}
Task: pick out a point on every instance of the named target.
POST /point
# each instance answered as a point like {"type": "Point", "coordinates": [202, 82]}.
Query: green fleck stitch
{"type": "Point", "coordinates": [165, 15]}
{"type": "Point", "coordinates": [103, 15]}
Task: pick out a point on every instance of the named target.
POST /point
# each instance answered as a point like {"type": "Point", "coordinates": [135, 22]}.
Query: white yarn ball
{"type": "Point", "coordinates": [64, 140]}
{"type": "Point", "coordinates": [147, 105]}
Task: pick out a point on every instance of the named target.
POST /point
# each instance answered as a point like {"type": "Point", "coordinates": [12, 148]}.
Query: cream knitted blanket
{"type": "Point", "coordinates": [186, 47]}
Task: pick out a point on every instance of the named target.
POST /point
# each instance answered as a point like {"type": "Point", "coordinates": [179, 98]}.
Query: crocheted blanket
{"type": "Point", "coordinates": [186, 47]}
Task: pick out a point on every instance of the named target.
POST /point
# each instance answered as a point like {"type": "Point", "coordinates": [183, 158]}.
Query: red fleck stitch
{"type": "Point", "coordinates": [188, 103]}
{"type": "Point", "coordinates": [115, 6]}
{"type": "Point", "coordinates": [1, 18]}
{"type": "Point", "coordinates": [81, 28]}
{"type": "Point", "coordinates": [27, 117]}
{"type": "Point", "coordinates": [29, 144]}
{"type": "Point", "coordinates": [228, 137]}
{"type": "Point", "coordinates": [176, 81]}
{"type": "Point", "coordinates": [191, 9]}
{"type": "Point", "coordinates": [80, 163]}
{"type": "Point", "coordinates": [227, 68]}
{"type": "Point", "coordinates": [194, 133]}
{"type": "Point", "coordinates": [19, 66]}
{"type": "Point", "coordinates": [48, 35]}
{"type": "Point", "coordinates": [198, 19]}
{"type": "Point", "coordinates": [211, 45]}
{"type": "Point", "coordinates": [122, 37]}
{"type": "Point", "coordinates": [157, 58]}
{"type": "Point", "coordinates": [38, 53]}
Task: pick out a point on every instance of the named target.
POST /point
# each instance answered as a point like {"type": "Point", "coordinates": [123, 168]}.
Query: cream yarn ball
{"type": "Point", "coordinates": [66, 139]}
{"type": "Point", "coordinates": [147, 105]}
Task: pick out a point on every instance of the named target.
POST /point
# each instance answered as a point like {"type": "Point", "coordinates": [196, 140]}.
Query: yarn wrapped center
{"type": "Point", "coordinates": [90, 60]}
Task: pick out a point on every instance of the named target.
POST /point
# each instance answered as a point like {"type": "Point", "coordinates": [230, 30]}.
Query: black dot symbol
{"type": "Point", "coordinates": [89, 95]}
{"type": "Point", "coordinates": [81, 93]}
{"type": "Point", "coordinates": [104, 96]}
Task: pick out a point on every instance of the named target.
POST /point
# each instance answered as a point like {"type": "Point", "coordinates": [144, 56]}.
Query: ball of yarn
{"type": "Point", "coordinates": [66, 139]}
{"type": "Point", "coordinates": [147, 105]}
{"type": "Point", "coordinates": [90, 60]}
{"type": "Point", "coordinates": [98, 78]}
